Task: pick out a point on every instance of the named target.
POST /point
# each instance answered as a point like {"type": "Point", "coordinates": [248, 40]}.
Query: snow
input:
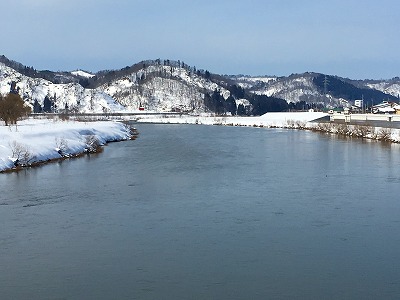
{"type": "Point", "coordinates": [47, 139]}
{"type": "Point", "coordinates": [42, 139]}
{"type": "Point", "coordinates": [386, 87]}
{"type": "Point", "coordinates": [72, 95]}
{"type": "Point", "coordinates": [386, 109]}
{"type": "Point", "coordinates": [177, 90]}
{"type": "Point", "coordinates": [82, 74]}
{"type": "Point", "coordinates": [267, 120]}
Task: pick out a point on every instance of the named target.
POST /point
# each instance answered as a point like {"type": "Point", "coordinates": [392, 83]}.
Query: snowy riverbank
{"type": "Point", "coordinates": [41, 140]}
{"type": "Point", "coordinates": [267, 120]}
{"type": "Point", "coordinates": [35, 141]}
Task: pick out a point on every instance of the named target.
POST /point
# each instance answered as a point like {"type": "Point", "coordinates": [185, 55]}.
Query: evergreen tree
{"type": "Point", "coordinates": [47, 105]}
{"type": "Point", "coordinates": [230, 105]}
{"type": "Point", "coordinates": [37, 108]}
{"type": "Point", "coordinates": [241, 110]}
{"type": "Point", "coordinates": [237, 91]}
{"type": "Point", "coordinates": [263, 104]}
{"type": "Point", "coordinates": [217, 102]}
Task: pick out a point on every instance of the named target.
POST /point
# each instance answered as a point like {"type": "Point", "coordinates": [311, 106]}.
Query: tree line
{"type": "Point", "coordinates": [260, 104]}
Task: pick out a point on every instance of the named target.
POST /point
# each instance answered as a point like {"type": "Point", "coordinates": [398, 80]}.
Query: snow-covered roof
{"type": "Point", "coordinates": [386, 109]}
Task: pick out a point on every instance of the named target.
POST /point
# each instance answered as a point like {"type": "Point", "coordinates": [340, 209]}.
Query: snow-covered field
{"type": "Point", "coordinates": [267, 120]}
{"type": "Point", "coordinates": [41, 140]}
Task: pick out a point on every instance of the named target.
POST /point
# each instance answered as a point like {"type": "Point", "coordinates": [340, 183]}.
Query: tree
{"type": "Point", "coordinates": [262, 104]}
{"type": "Point", "coordinates": [37, 108]}
{"type": "Point", "coordinates": [12, 107]}
{"type": "Point", "coordinates": [217, 102]}
{"type": "Point", "coordinates": [47, 104]}
{"type": "Point", "coordinates": [241, 110]}
{"type": "Point", "coordinates": [230, 105]}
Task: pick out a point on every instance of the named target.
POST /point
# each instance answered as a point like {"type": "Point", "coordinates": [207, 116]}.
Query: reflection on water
{"type": "Point", "coordinates": [206, 212]}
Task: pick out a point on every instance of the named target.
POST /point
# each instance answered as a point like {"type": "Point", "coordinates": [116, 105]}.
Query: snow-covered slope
{"type": "Point", "coordinates": [154, 87]}
{"type": "Point", "coordinates": [81, 73]}
{"type": "Point", "coordinates": [162, 88]}
{"type": "Point", "coordinates": [294, 88]}
{"type": "Point", "coordinates": [72, 95]}
{"type": "Point", "coordinates": [40, 140]}
{"type": "Point", "coordinates": [390, 87]}
{"type": "Point", "coordinates": [249, 82]}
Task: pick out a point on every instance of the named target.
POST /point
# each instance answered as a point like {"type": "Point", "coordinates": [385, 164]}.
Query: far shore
{"type": "Point", "coordinates": [313, 121]}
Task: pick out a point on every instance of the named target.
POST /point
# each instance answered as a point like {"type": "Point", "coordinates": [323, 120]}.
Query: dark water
{"type": "Point", "coordinates": [206, 212]}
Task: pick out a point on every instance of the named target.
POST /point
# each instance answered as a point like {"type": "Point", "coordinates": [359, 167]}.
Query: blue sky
{"type": "Point", "coordinates": [349, 38]}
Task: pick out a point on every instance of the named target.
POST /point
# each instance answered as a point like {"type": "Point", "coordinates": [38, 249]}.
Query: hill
{"type": "Point", "coordinates": [166, 85]}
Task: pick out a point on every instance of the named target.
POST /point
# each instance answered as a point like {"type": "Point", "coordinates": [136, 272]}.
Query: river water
{"type": "Point", "coordinates": [206, 212]}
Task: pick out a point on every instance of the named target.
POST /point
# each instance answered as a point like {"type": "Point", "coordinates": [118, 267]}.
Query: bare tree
{"type": "Point", "coordinates": [21, 154]}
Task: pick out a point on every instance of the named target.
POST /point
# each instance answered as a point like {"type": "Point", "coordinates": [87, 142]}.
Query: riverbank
{"type": "Point", "coordinates": [278, 120]}
{"type": "Point", "coordinates": [289, 120]}
{"type": "Point", "coordinates": [34, 142]}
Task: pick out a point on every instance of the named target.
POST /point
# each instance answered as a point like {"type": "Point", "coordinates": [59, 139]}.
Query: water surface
{"type": "Point", "coordinates": [206, 212]}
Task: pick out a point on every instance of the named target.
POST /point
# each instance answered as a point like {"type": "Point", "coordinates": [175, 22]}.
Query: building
{"type": "Point", "coordinates": [384, 108]}
{"type": "Point", "coordinates": [359, 103]}
{"type": "Point", "coordinates": [397, 109]}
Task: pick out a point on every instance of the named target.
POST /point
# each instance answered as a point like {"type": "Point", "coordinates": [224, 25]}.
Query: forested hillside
{"type": "Point", "coordinates": [174, 86]}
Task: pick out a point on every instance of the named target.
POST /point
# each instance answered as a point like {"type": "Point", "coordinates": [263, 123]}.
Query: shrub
{"type": "Point", "coordinates": [92, 143]}
{"type": "Point", "coordinates": [290, 124]}
{"type": "Point", "coordinates": [21, 154]}
{"type": "Point", "coordinates": [62, 146]}
{"type": "Point", "coordinates": [385, 134]}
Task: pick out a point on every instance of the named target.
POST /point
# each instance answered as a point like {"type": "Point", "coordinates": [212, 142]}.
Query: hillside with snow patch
{"type": "Point", "coordinates": [162, 88]}
{"type": "Point", "coordinates": [69, 95]}
{"type": "Point", "coordinates": [165, 86]}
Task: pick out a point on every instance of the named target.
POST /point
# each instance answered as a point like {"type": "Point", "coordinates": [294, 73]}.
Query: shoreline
{"type": "Point", "coordinates": [300, 121]}
{"type": "Point", "coordinates": [61, 140]}
{"type": "Point", "coordinates": [37, 142]}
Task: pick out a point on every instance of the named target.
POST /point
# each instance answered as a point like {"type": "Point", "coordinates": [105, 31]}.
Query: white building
{"type": "Point", "coordinates": [359, 103]}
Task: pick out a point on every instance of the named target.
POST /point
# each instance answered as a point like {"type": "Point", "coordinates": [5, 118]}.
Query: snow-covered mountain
{"type": "Point", "coordinates": [153, 86]}
{"type": "Point", "coordinates": [65, 95]}
{"type": "Point", "coordinates": [391, 87]}
{"type": "Point", "coordinates": [295, 88]}
{"type": "Point", "coordinates": [160, 87]}
{"type": "Point", "coordinates": [164, 86]}
{"type": "Point", "coordinates": [318, 88]}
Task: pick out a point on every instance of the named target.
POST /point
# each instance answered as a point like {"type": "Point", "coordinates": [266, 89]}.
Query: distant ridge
{"type": "Point", "coordinates": [168, 85]}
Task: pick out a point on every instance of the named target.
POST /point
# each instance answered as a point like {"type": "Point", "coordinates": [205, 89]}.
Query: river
{"type": "Point", "coordinates": [206, 212]}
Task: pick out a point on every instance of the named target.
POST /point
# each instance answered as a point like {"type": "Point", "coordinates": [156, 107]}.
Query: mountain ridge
{"type": "Point", "coordinates": [168, 85]}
